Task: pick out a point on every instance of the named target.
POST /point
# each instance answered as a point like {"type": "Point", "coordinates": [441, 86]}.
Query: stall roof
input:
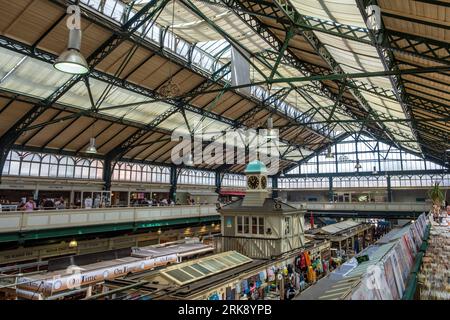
{"type": "Point", "coordinates": [194, 270]}
{"type": "Point", "coordinates": [339, 227]}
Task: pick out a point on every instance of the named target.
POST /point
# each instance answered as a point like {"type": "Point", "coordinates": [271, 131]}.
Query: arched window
{"type": "Point", "coordinates": [82, 169]}
{"type": "Point", "coordinates": [49, 166]}
{"type": "Point", "coordinates": [30, 164]}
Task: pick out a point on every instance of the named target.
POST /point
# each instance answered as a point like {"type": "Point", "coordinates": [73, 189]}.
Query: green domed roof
{"type": "Point", "coordinates": [256, 167]}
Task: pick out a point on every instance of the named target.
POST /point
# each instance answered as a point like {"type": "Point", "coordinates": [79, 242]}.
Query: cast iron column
{"type": "Point", "coordinates": [275, 186]}
{"type": "Point", "coordinates": [218, 182]}
{"type": "Point", "coordinates": [330, 189]}
{"type": "Point", "coordinates": [389, 189]}
{"type": "Point", "coordinates": [107, 174]}
{"type": "Point", "coordinates": [173, 184]}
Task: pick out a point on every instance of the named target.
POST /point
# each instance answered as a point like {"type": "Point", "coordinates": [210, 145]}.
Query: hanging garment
{"type": "Point", "coordinates": [270, 274]}
{"type": "Point", "coordinates": [289, 269]}
{"type": "Point", "coordinates": [311, 276]}
{"type": "Point", "coordinates": [325, 266]}
{"type": "Point", "coordinates": [263, 276]}
{"type": "Point", "coordinates": [319, 266]}
{"type": "Point", "coordinates": [356, 248]}
{"type": "Point", "coordinates": [245, 288]}
{"type": "Point", "coordinates": [297, 263]}
{"type": "Point", "coordinates": [238, 287]}
{"type": "Point", "coordinates": [214, 296]}
{"type": "Point", "coordinates": [229, 294]}
{"type": "Point", "coordinates": [303, 265]}
{"type": "Point", "coordinates": [307, 259]}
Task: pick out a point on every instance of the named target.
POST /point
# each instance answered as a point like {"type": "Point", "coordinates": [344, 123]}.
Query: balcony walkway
{"type": "Point", "coordinates": [26, 225]}
{"type": "Point", "coordinates": [392, 210]}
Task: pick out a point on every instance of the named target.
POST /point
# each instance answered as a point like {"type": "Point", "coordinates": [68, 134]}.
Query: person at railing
{"type": "Point", "coordinates": [97, 201]}
{"type": "Point", "coordinates": [60, 203]}
{"type": "Point", "coordinates": [88, 202]}
{"type": "Point", "coordinates": [30, 205]}
{"type": "Point", "coordinates": [47, 204]}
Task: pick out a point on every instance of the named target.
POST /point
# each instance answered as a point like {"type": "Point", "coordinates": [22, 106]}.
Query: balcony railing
{"type": "Point", "coordinates": [22, 221]}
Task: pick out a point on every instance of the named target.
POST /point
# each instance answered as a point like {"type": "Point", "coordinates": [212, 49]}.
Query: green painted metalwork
{"type": "Point", "coordinates": [82, 230]}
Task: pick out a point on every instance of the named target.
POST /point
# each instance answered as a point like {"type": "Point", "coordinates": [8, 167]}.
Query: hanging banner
{"type": "Point", "coordinates": [240, 71]}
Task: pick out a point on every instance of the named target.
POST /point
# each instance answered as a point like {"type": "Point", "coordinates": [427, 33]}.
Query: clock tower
{"type": "Point", "coordinates": [256, 193]}
{"type": "Point", "coordinates": [259, 226]}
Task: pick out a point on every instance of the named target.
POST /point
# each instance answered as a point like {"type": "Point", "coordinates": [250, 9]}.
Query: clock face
{"type": "Point", "coordinates": [253, 182]}
{"type": "Point", "coordinates": [263, 182]}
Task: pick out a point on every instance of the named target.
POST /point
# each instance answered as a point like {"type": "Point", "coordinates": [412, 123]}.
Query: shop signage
{"type": "Point", "coordinates": [80, 278]}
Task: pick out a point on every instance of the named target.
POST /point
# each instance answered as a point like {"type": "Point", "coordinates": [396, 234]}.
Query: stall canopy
{"type": "Point", "coordinates": [198, 269]}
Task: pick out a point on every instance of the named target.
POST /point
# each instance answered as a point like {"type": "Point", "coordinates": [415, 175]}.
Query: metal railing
{"type": "Point", "coordinates": [19, 221]}
{"type": "Point", "coordinates": [364, 206]}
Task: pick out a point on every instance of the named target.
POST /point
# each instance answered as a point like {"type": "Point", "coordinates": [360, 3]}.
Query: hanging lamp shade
{"type": "Point", "coordinates": [271, 134]}
{"type": "Point", "coordinates": [72, 61]}
{"type": "Point", "coordinates": [358, 165]}
{"type": "Point", "coordinates": [91, 148]}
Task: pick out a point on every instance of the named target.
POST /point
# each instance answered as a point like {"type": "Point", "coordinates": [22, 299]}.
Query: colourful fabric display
{"type": "Point", "coordinates": [245, 288]}
{"type": "Point", "coordinates": [238, 287]}
{"type": "Point", "coordinates": [270, 274]}
{"type": "Point", "coordinates": [311, 274]}
{"type": "Point", "coordinates": [307, 259]}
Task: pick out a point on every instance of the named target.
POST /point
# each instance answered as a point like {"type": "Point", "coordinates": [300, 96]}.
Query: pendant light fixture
{"type": "Point", "coordinates": [91, 149]}
{"type": "Point", "coordinates": [270, 132]}
{"type": "Point", "coordinates": [329, 154]}
{"type": "Point", "coordinates": [358, 165]}
{"type": "Point", "coordinates": [374, 170]}
{"type": "Point", "coordinates": [72, 61]}
{"type": "Point", "coordinates": [170, 89]}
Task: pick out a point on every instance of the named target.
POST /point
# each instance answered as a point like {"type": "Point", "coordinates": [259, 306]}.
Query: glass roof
{"type": "Point", "coordinates": [29, 76]}
{"type": "Point", "coordinates": [198, 269]}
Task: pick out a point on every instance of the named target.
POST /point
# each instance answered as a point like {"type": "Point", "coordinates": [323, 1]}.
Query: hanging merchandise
{"type": "Point", "coordinates": [271, 274]}
{"type": "Point", "coordinates": [263, 276]}
{"type": "Point", "coordinates": [229, 295]}
{"type": "Point", "coordinates": [307, 259]}
{"type": "Point", "coordinates": [311, 275]}
{"type": "Point", "coordinates": [356, 246]}
{"type": "Point", "coordinates": [289, 269]}
{"type": "Point", "coordinates": [245, 288]}
{"type": "Point", "coordinates": [214, 296]}
{"type": "Point", "coordinates": [325, 266]}
{"type": "Point", "coordinates": [238, 287]}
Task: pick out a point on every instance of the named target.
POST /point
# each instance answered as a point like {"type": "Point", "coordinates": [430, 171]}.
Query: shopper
{"type": "Point", "coordinates": [30, 205]}
{"type": "Point", "coordinates": [97, 201]}
{"type": "Point", "coordinates": [47, 204]}
{"type": "Point", "coordinates": [290, 292]}
{"type": "Point", "coordinates": [88, 202]}
{"type": "Point", "coordinates": [60, 203]}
